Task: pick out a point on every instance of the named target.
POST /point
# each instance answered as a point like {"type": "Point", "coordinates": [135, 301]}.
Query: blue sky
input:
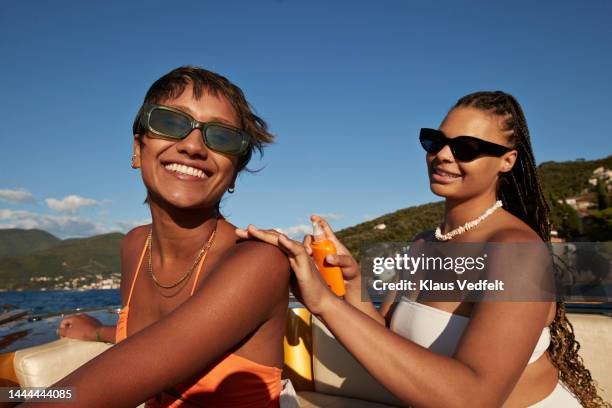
{"type": "Point", "coordinates": [345, 86]}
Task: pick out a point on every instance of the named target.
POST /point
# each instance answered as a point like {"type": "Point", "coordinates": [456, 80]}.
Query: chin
{"type": "Point", "coordinates": [185, 202]}
{"type": "Point", "coordinates": [445, 191]}
{"type": "Point", "coordinates": [440, 189]}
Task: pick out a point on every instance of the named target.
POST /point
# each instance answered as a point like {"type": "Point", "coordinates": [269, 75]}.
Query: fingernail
{"type": "Point", "coordinates": [330, 258]}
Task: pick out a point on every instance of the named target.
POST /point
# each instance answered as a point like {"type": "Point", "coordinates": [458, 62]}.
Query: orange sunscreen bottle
{"type": "Point", "coordinates": [320, 248]}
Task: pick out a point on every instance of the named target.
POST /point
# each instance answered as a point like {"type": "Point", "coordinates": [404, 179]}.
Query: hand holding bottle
{"type": "Point", "coordinates": [343, 258]}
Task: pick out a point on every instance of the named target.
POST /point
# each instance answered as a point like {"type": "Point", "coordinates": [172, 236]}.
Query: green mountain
{"type": "Point", "coordinates": [34, 259]}
{"type": "Point", "coordinates": [560, 180]}
{"type": "Point", "coordinates": [16, 242]}
{"type": "Point", "coordinates": [82, 260]}
{"type": "Point", "coordinates": [401, 225]}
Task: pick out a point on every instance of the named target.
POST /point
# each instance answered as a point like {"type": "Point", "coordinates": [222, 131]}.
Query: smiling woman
{"type": "Point", "coordinates": [460, 353]}
{"type": "Point", "coordinates": [187, 280]}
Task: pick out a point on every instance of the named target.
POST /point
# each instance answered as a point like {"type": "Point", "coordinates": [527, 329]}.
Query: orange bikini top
{"type": "Point", "coordinates": [234, 382]}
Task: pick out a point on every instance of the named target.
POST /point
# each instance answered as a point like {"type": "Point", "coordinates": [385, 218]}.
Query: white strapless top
{"type": "Point", "coordinates": [440, 331]}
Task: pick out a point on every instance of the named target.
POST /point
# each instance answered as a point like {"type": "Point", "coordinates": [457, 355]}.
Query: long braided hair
{"type": "Point", "coordinates": [521, 193]}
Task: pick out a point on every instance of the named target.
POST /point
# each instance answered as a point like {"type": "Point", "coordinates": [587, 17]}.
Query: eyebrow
{"type": "Point", "coordinates": [212, 119]}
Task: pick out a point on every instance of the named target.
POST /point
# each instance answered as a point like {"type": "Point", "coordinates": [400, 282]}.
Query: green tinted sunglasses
{"type": "Point", "coordinates": [175, 124]}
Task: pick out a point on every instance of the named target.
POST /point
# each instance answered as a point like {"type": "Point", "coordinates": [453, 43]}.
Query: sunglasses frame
{"type": "Point", "coordinates": [195, 124]}
{"type": "Point", "coordinates": [483, 146]}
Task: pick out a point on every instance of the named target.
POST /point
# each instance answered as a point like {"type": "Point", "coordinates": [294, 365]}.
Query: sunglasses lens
{"type": "Point", "coordinates": [170, 124]}
{"type": "Point", "coordinates": [465, 149]}
{"type": "Point", "coordinates": [225, 140]}
{"type": "Point", "coordinates": [430, 141]}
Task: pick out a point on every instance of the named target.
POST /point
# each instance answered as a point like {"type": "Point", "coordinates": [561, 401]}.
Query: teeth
{"type": "Point", "coordinates": [445, 174]}
{"type": "Point", "coordinates": [181, 168]}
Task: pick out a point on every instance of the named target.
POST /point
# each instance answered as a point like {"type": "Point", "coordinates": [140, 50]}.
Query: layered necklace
{"type": "Point", "coordinates": [468, 225]}
{"type": "Point", "coordinates": [201, 254]}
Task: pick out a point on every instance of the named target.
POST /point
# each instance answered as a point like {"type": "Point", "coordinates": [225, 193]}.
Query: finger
{"type": "Point", "coordinates": [296, 249]}
{"type": "Point", "coordinates": [307, 243]}
{"type": "Point", "coordinates": [246, 232]}
{"type": "Point", "coordinates": [343, 261]}
{"type": "Point", "coordinates": [65, 323]}
{"type": "Point", "coordinates": [329, 233]}
{"type": "Point", "coordinates": [242, 233]}
{"type": "Point", "coordinates": [269, 236]}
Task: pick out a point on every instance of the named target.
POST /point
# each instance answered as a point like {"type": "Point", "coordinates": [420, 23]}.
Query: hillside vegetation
{"type": "Point", "coordinates": [16, 242]}
{"type": "Point", "coordinates": [93, 258]}
{"type": "Point", "coordinates": [560, 180]}
{"type": "Point", "coordinates": [34, 259]}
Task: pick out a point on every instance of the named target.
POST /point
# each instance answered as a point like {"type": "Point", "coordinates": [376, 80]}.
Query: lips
{"type": "Point", "coordinates": [444, 176]}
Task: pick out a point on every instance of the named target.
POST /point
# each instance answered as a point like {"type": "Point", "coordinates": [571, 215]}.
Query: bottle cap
{"type": "Point", "coordinates": [317, 231]}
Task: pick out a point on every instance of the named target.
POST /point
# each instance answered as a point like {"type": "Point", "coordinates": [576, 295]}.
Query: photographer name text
{"type": "Point", "coordinates": [430, 285]}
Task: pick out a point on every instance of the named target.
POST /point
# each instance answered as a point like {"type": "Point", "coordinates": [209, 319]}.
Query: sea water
{"type": "Point", "coordinates": [49, 308]}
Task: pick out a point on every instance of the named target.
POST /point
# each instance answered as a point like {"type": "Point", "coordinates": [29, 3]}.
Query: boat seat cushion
{"type": "Point", "coordinates": [337, 372]}
{"type": "Point", "coordinates": [44, 365]}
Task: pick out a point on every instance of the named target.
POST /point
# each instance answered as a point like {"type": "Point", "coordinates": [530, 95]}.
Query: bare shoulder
{"type": "Point", "coordinates": [254, 256]}
{"type": "Point", "coordinates": [262, 253]}
{"type": "Point", "coordinates": [513, 229]}
{"type": "Point", "coordinates": [249, 269]}
{"type": "Point", "coordinates": [516, 235]}
{"type": "Point", "coordinates": [135, 236]}
{"type": "Point", "coordinates": [132, 243]}
{"type": "Point", "coordinates": [131, 247]}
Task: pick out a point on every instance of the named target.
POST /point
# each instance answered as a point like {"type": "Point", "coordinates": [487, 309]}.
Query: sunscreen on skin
{"type": "Point", "coordinates": [320, 248]}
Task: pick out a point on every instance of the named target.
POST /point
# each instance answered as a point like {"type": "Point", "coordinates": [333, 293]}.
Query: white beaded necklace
{"type": "Point", "coordinates": [468, 225]}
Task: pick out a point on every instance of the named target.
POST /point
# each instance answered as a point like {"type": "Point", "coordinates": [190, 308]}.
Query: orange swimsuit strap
{"type": "Point", "coordinates": [234, 382]}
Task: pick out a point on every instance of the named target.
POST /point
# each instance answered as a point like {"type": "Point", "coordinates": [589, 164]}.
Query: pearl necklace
{"type": "Point", "coordinates": [468, 225]}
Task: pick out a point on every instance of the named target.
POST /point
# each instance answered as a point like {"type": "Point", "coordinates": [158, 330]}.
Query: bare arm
{"type": "Point", "coordinates": [490, 357]}
{"type": "Point", "coordinates": [235, 298]}
{"type": "Point", "coordinates": [489, 360]}
{"type": "Point", "coordinates": [365, 306]}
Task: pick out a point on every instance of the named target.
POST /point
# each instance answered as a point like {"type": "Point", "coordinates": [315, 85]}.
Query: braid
{"type": "Point", "coordinates": [513, 188]}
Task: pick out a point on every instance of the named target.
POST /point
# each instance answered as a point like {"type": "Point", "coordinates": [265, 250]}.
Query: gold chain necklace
{"type": "Point", "coordinates": [187, 274]}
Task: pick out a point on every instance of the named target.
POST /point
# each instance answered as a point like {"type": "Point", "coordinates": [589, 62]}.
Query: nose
{"type": "Point", "coordinates": [193, 145]}
{"type": "Point", "coordinates": [445, 154]}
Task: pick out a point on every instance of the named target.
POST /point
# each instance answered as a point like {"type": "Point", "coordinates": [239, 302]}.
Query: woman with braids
{"type": "Point", "coordinates": [510, 354]}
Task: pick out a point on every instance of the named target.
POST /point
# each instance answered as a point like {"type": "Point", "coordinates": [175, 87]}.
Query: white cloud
{"type": "Point", "coordinates": [62, 226]}
{"type": "Point", "coordinates": [16, 196]}
{"type": "Point", "coordinates": [71, 204]}
{"type": "Point", "coordinates": [332, 216]}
